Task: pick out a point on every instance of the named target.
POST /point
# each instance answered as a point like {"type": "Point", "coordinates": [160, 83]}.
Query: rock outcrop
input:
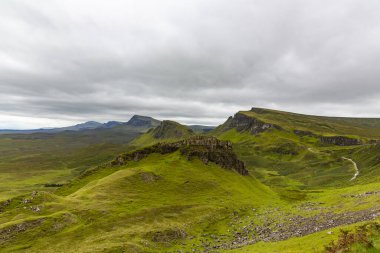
{"type": "Point", "coordinates": [339, 140]}
{"type": "Point", "coordinates": [330, 140]}
{"type": "Point", "coordinates": [207, 149]}
{"type": "Point", "coordinates": [244, 123]}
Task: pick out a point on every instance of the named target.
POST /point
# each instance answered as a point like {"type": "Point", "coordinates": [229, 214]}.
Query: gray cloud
{"type": "Point", "coordinates": [194, 61]}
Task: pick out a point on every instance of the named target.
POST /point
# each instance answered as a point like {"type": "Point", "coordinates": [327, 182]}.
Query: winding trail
{"type": "Point", "coordinates": [355, 166]}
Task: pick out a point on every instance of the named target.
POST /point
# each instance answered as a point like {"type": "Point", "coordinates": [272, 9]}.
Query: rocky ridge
{"type": "Point", "coordinates": [207, 149]}
{"type": "Point", "coordinates": [330, 140]}
{"type": "Point", "coordinates": [244, 123]}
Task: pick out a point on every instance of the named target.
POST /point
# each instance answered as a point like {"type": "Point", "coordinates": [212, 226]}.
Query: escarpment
{"type": "Point", "coordinates": [339, 140]}
{"type": "Point", "coordinates": [207, 149]}
{"type": "Point", "coordinates": [244, 123]}
{"type": "Point", "coordinates": [330, 140]}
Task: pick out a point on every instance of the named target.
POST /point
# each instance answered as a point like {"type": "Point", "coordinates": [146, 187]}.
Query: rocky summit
{"type": "Point", "coordinates": [242, 122]}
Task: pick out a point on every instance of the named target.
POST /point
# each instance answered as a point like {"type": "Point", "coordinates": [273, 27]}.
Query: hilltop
{"type": "Point", "coordinates": [263, 181]}
{"type": "Point", "coordinates": [364, 127]}
{"type": "Point", "coordinates": [167, 131]}
{"type": "Point", "coordinates": [143, 121]}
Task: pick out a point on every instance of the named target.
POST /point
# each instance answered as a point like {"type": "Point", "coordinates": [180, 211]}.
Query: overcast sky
{"type": "Point", "coordinates": [196, 61]}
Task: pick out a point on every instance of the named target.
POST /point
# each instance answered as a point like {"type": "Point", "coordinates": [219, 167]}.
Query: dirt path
{"type": "Point", "coordinates": [355, 166]}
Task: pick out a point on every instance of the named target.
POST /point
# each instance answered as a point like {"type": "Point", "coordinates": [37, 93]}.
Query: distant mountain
{"type": "Point", "coordinates": [201, 128]}
{"type": "Point", "coordinates": [143, 121]}
{"type": "Point", "coordinates": [111, 124]}
{"type": "Point", "coordinates": [82, 126]}
{"type": "Point", "coordinates": [137, 121]}
{"type": "Point", "coordinates": [79, 127]}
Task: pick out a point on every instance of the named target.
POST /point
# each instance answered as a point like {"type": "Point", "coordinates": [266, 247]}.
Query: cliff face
{"type": "Point", "coordinates": [339, 140]}
{"type": "Point", "coordinates": [330, 140]}
{"type": "Point", "coordinates": [244, 123]}
{"type": "Point", "coordinates": [207, 149]}
{"type": "Point", "coordinates": [210, 149]}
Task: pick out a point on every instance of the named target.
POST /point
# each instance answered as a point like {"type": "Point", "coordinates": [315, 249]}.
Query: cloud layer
{"type": "Point", "coordinates": [194, 61]}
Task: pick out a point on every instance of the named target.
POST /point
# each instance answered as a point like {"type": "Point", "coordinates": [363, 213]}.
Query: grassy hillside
{"type": "Point", "coordinates": [364, 127]}
{"type": "Point", "coordinates": [308, 178]}
{"type": "Point", "coordinates": [280, 157]}
{"type": "Point", "coordinates": [167, 131]}
{"type": "Point", "coordinates": [28, 161]}
{"type": "Point", "coordinates": [161, 200]}
{"type": "Point", "coordinates": [167, 203]}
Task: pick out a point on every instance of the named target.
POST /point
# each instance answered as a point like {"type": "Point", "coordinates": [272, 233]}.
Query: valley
{"type": "Point", "coordinates": [263, 181]}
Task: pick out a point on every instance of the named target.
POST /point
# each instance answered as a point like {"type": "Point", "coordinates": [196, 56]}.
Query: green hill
{"type": "Point", "coordinates": [30, 161]}
{"type": "Point", "coordinates": [167, 131]}
{"type": "Point", "coordinates": [292, 150]}
{"type": "Point", "coordinates": [264, 181]}
{"type": "Point", "coordinates": [363, 127]}
{"type": "Point", "coordinates": [139, 207]}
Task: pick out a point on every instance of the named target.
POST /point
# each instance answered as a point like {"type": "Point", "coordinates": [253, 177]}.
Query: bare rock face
{"type": "Point", "coordinates": [210, 149]}
{"type": "Point", "coordinates": [207, 149]}
{"type": "Point", "coordinates": [244, 123]}
{"type": "Point", "coordinates": [339, 140]}
{"type": "Point", "coordinates": [330, 140]}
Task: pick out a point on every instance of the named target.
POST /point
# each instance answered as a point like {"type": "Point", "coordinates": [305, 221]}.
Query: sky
{"type": "Point", "coordinates": [196, 61]}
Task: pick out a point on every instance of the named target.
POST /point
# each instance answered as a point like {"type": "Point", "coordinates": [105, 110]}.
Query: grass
{"type": "Point", "coordinates": [166, 203]}
{"type": "Point", "coordinates": [27, 162]}
{"type": "Point", "coordinates": [364, 127]}
{"type": "Point", "coordinates": [160, 193]}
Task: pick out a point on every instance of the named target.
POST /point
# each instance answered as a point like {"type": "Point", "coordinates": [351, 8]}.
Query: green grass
{"type": "Point", "coordinates": [27, 162]}
{"type": "Point", "coordinates": [364, 127]}
{"type": "Point", "coordinates": [120, 208]}
{"type": "Point", "coordinates": [165, 203]}
{"type": "Point", "coordinates": [144, 206]}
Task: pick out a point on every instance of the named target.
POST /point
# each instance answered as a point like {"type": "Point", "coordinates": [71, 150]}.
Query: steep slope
{"type": "Point", "coordinates": [300, 151]}
{"type": "Point", "coordinates": [363, 127]}
{"type": "Point", "coordinates": [161, 202]}
{"type": "Point", "coordinates": [165, 202]}
{"type": "Point", "coordinates": [264, 186]}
